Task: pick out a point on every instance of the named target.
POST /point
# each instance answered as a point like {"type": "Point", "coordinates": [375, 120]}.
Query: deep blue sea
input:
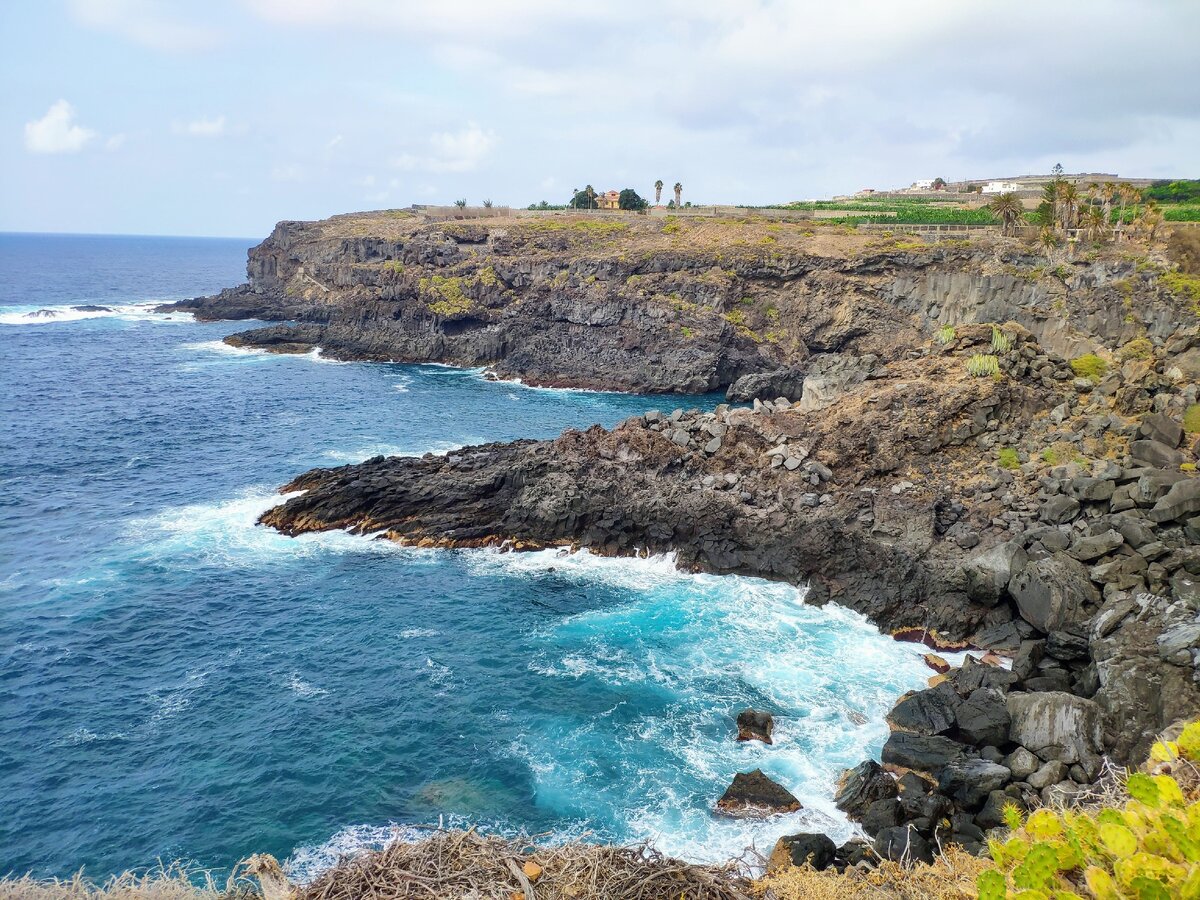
{"type": "Point", "coordinates": [176, 682]}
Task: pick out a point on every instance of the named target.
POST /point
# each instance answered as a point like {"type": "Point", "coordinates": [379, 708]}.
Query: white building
{"type": "Point", "coordinates": [925, 185]}
{"type": "Point", "coordinates": [1002, 187]}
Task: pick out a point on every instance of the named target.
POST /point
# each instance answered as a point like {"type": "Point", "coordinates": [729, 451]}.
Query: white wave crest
{"type": "Point", "coordinates": [52, 315]}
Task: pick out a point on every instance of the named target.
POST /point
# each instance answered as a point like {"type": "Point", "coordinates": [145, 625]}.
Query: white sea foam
{"type": "Point", "coordinates": [409, 633]}
{"type": "Point", "coordinates": [75, 312]}
{"type": "Point", "coordinates": [307, 862]}
{"type": "Point", "coordinates": [304, 689]}
{"type": "Point", "coordinates": [382, 449]}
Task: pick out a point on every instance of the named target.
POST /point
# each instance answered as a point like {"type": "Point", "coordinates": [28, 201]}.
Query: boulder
{"type": "Point", "coordinates": [861, 786]}
{"type": "Point", "coordinates": [973, 674]}
{"type": "Point", "coordinates": [903, 844]}
{"type": "Point", "coordinates": [925, 753]}
{"type": "Point", "coordinates": [753, 794]}
{"type": "Point", "coordinates": [754, 725]}
{"type": "Point", "coordinates": [1180, 502]}
{"type": "Point", "coordinates": [1057, 726]}
{"type": "Point", "coordinates": [1093, 547]}
{"type": "Point", "coordinates": [926, 712]}
{"type": "Point", "coordinates": [992, 814]}
{"type": "Point", "coordinates": [1067, 646]}
{"type": "Point", "coordinates": [1156, 454]}
{"type": "Point", "coordinates": [988, 574]}
{"type": "Point", "coordinates": [1092, 490]}
{"type": "Point", "coordinates": [1157, 427]}
{"type": "Point", "coordinates": [1053, 592]}
{"type": "Point", "coordinates": [880, 815]}
{"type": "Point", "coordinates": [970, 781]}
{"type": "Point", "coordinates": [1022, 763]}
{"type": "Point", "coordinates": [1059, 509]}
{"type": "Point", "coordinates": [804, 849]}
{"type": "Point", "coordinates": [1047, 774]}
{"type": "Point", "coordinates": [983, 717]}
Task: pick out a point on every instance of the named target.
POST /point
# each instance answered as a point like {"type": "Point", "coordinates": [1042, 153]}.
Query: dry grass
{"type": "Point", "coordinates": [173, 882]}
{"type": "Point", "coordinates": [951, 877]}
{"type": "Point", "coordinates": [464, 864]}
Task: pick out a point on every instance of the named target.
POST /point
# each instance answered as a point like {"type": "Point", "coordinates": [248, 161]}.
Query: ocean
{"type": "Point", "coordinates": [179, 683]}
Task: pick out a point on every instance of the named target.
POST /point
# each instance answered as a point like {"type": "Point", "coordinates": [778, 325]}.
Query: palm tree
{"type": "Point", "coordinates": [658, 186]}
{"type": "Point", "coordinates": [487, 204]}
{"type": "Point", "coordinates": [1126, 194]}
{"type": "Point", "coordinates": [1095, 221]}
{"type": "Point", "coordinates": [1049, 241]}
{"type": "Point", "coordinates": [1068, 196]}
{"type": "Point", "coordinates": [591, 195]}
{"type": "Point", "coordinates": [1008, 209]}
{"type": "Point", "coordinates": [574, 198]}
{"type": "Point", "coordinates": [678, 191]}
{"type": "Point", "coordinates": [1151, 219]}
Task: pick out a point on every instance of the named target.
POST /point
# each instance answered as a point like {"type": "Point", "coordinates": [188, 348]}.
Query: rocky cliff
{"type": "Point", "coordinates": [651, 305]}
{"type": "Point", "coordinates": [965, 441]}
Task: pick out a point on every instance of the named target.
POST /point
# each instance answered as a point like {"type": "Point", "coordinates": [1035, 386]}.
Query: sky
{"type": "Point", "coordinates": [221, 117]}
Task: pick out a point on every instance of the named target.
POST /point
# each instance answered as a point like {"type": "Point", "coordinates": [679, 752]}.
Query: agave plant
{"type": "Point", "coordinates": [1000, 341]}
{"type": "Point", "coordinates": [983, 364]}
{"type": "Point", "coordinates": [946, 334]}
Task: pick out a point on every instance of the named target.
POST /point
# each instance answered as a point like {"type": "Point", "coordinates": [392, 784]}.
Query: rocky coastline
{"type": "Point", "coordinates": [1041, 505]}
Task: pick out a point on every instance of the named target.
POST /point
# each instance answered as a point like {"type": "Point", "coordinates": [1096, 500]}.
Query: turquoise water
{"type": "Point", "coordinates": [176, 682]}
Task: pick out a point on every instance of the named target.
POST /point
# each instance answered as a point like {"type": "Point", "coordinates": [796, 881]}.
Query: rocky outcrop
{"type": "Point", "coordinates": [755, 725]}
{"type": "Point", "coordinates": [755, 795]}
{"type": "Point", "coordinates": [766, 311]}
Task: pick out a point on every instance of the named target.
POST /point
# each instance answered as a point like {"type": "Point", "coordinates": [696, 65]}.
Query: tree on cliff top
{"type": "Point", "coordinates": [658, 186]}
{"type": "Point", "coordinates": [678, 192]}
{"type": "Point", "coordinates": [585, 199]}
{"type": "Point", "coordinates": [629, 199]}
{"type": "Point", "coordinates": [1008, 209]}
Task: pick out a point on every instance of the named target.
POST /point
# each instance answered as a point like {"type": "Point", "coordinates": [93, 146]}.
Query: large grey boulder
{"type": "Point", "coordinates": [1059, 509]}
{"type": "Point", "coordinates": [1180, 502]}
{"type": "Point", "coordinates": [1093, 547]}
{"type": "Point", "coordinates": [861, 786]}
{"type": "Point", "coordinates": [1157, 427]}
{"type": "Point", "coordinates": [1156, 454]}
{"type": "Point", "coordinates": [988, 574]}
{"type": "Point", "coordinates": [970, 781]}
{"type": "Point", "coordinates": [1054, 592]}
{"type": "Point", "coordinates": [1058, 726]}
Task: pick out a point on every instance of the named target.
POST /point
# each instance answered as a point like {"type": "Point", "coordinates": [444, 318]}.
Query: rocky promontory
{"type": "Point", "coordinates": [970, 443]}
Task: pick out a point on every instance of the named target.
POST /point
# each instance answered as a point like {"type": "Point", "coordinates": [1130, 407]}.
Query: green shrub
{"type": "Point", "coordinates": [1191, 419]}
{"type": "Point", "coordinates": [1182, 285]}
{"type": "Point", "coordinates": [982, 364]}
{"type": "Point", "coordinates": [1138, 348]}
{"type": "Point", "coordinates": [946, 334]}
{"type": "Point", "coordinates": [451, 299]}
{"type": "Point", "coordinates": [1008, 458]}
{"type": "Point", "coordinates": [1089, 366]}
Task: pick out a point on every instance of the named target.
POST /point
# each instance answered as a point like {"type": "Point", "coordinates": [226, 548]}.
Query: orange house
{"type": "Point", "coordinates": [609, 200]}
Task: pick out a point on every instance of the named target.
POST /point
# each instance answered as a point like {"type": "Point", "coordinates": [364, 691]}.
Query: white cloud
{"type": "Point", "coordinates": [57, 132]}
{"type": "Point", "coordinates": [451, 151]}
{"type": "Point", "coordinates": [115, 142]}
{"type": "Point", "coordinates": [214, 127]}
{"type": "Point", "coordinates": [151, 23]}
{"type": "Point", "coordinates": [288, 172]}
{"type": "Point", "coordinates": [334, 141]}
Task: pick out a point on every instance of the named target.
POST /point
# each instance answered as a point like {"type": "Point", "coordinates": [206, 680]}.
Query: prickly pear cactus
{"type": "Point", "coordinates": [1147, 849]}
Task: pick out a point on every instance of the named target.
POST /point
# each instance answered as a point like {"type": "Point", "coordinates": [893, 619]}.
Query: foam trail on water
{"type": "Point", "coordinates": [364, 453]}
{"type": "Point", "coordinates": [57, 315]}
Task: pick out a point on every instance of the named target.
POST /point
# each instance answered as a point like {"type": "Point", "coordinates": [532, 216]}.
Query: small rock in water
{"type": "Point", "coordinates": [754, 725]}
{"type": "Point", "coordinates": [754, 795]}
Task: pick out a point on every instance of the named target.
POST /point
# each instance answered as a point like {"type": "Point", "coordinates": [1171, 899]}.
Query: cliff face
{"type": "Point", "coordinates": [650, 306]}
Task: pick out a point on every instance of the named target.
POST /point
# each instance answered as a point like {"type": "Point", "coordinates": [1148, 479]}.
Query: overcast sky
{"type": "Point", "coordinates": [223, 116]}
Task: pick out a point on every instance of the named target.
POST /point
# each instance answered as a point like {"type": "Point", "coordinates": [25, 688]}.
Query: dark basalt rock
{"type": "Point", "coordinates": [983, 717]}
{"type": "Point", "coordinates": [754, 795]}
{"type": "Point", "coordinates": [903, 843]}
{"type": "Point", "coordinates": [787, 383]}
{"type": "Point", "coordinates": [926, 712]}
{"type": "Point", "coordinates": [803, 849]}
{"type": "Point", "coordinates": [971, 781]}
{"type": "Point", "coordinates": [921, 752]}
{"type": "Point", "coordinates": [861, 786]}
{"type": "Point", "coordinates": [754, 725]}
